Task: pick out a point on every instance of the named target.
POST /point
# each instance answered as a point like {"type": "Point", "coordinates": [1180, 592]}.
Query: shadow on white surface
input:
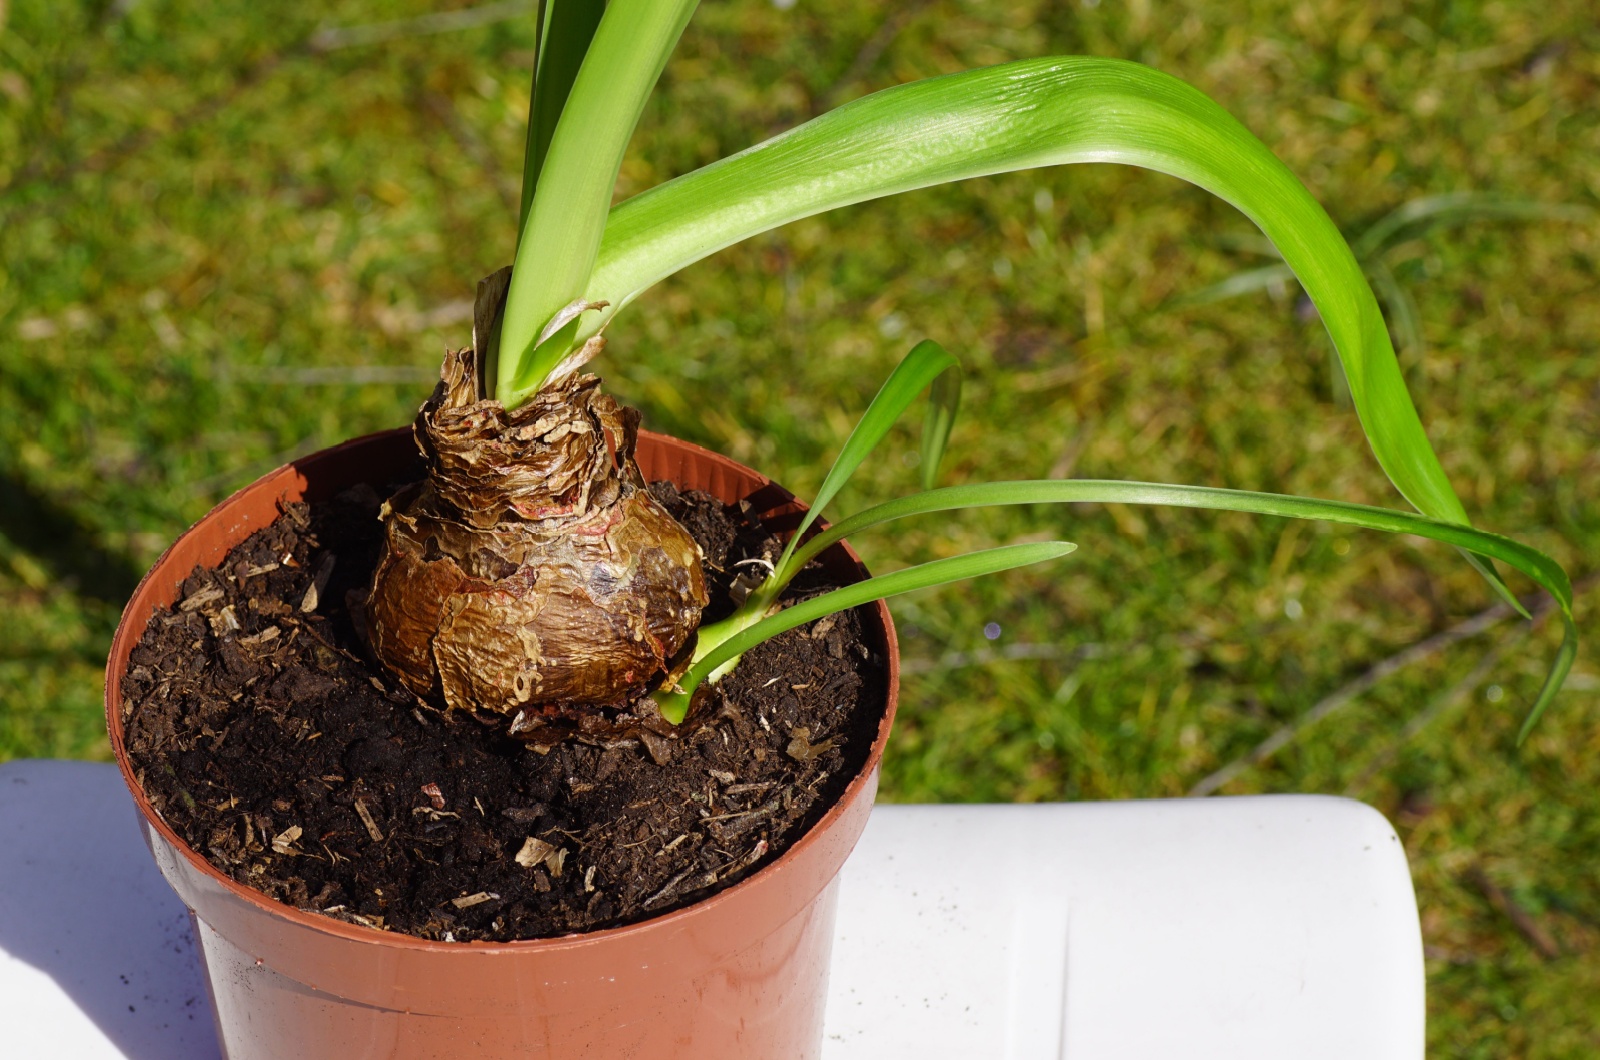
{"type": "Point", "coordinates": [88, 928]}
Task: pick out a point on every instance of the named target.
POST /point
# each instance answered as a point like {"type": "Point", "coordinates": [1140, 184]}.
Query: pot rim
{"type": "Point", "coordinates": [127, 636]}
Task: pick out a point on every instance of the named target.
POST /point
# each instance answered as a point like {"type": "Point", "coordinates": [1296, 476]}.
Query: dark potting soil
{"type": "Point", "coordinates": [265, 736]}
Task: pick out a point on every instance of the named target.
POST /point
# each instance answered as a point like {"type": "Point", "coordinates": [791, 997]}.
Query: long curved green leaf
{"type": "Point", "coordinates": [1037, 112]}
{"type": "Point", "coordinates": [1540, 568]}
{"type": "Point", "coordinates": [674, 706]}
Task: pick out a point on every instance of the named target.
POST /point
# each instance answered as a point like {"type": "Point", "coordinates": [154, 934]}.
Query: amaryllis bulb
{"type": "Point", "coordinates": [531, 571]}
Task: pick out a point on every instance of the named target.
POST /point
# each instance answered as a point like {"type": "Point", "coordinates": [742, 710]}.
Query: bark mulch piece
{"type": "Point", "coordinates": [269, 741]}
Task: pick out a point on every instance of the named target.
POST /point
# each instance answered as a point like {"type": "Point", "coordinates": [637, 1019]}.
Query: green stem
{"type": "Point", "coordinates": [562, 233]}
{"type": "Point", "coordinates": [565, 29]}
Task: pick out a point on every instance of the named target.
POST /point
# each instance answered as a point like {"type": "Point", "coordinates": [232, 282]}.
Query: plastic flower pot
{"type": "Point", "coordinates": [742, 974]}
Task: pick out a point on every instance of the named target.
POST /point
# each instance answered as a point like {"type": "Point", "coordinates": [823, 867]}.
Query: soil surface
{"type": "Point", "coordinates": [268, 739]}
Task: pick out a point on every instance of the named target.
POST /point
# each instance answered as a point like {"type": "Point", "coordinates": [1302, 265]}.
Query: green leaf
{"type": "Point", "coordinates": [1021, 115]}
{"type": "Point", "coordinates": [1434, 211]}
{"type": "Point", "coordinates": [926, 362]}
{"type": "Point", "coordinates": [1557, 676]}
{"type": "Point", "coordinates": [944, 401]}
{"type": "Point", "coordinates": [563, 228]}
{"type": "Point", "coordinates": [674, 706]}
{"type": "Point", "coordinates": [561, 339]}
{"type": "Point", "coordinates": [1544, 571]}
{"type": "Point", "coordinates": [1247, 281]}
{"type": "Point", "coordinates": [565, 28]}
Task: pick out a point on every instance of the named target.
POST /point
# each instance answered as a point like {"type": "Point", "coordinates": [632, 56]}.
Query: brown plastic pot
{"type": "Point", "coordinates": [742, 974]}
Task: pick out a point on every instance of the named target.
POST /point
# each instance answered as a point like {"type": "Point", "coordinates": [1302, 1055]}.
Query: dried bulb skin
{"type": "Point", "coordinates": [531, 568]}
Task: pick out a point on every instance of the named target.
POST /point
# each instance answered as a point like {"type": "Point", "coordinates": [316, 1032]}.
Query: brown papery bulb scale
{"type": "Point", "coordinates": [531, 571]}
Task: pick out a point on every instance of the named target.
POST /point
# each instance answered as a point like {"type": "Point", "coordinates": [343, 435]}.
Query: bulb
{"type": "Point", "coordinates": [531, 570]}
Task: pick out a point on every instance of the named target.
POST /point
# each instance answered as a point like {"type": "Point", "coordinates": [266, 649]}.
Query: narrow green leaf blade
{"type": "Point", "coordinates": [944, 401]}
{"type": "Point", "coordinates": [926, 361]}
{"type": "Point", "coordinates": [922, 576]}
{"type": "Point", "coordinates": [1021, 115]}
{"type": "Point", "coordinates": [1559, 668]}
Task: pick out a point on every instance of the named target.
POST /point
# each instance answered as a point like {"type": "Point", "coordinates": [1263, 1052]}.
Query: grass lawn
{"type": "Point", "coordinates": [224, 247]}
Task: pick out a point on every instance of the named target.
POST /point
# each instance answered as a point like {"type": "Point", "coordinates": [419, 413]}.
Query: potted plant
{"type": "Point", "coordinates": [532, 541]}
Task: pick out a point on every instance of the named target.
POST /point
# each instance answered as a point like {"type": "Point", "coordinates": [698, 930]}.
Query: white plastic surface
{"type": "Point", "coordinates": [1239, 928]}
{"type": "Point", "coordinates": [1252, 927]}
{"type": "Point", "coordinates": [97, 959]}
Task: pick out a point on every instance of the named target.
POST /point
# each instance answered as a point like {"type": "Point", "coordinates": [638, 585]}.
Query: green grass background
{"type": "Point", "coordinates": [221, 248]}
